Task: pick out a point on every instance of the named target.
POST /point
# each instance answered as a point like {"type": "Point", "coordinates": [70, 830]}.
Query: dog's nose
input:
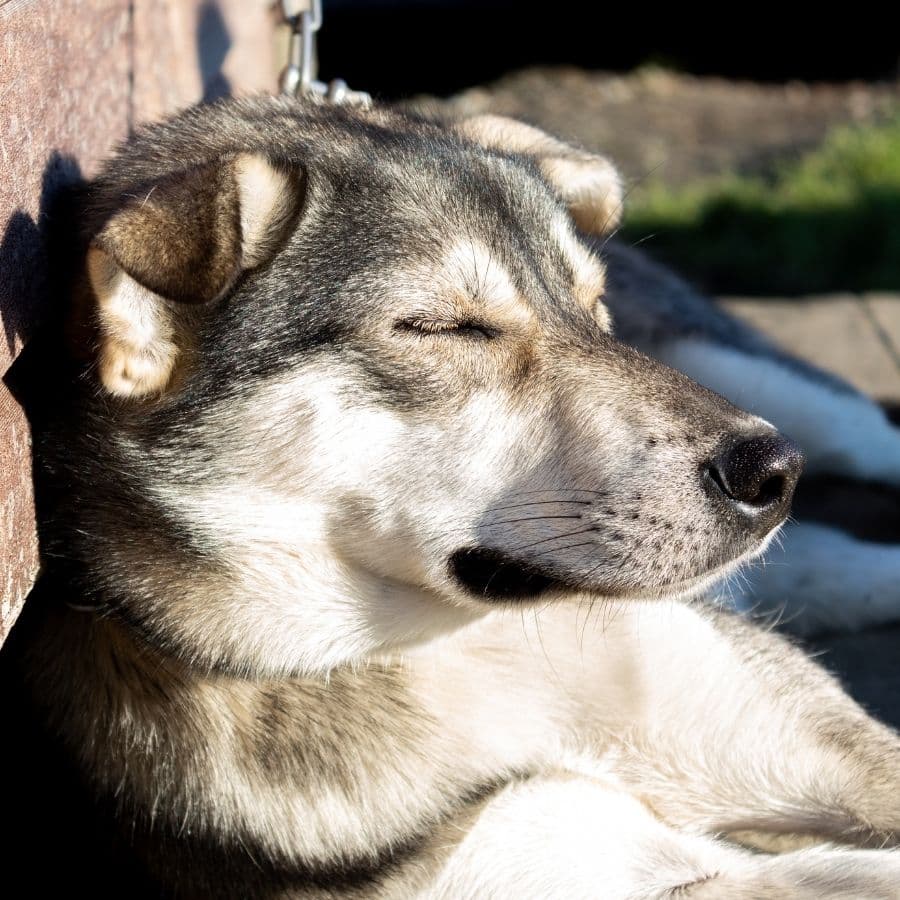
{"type": "Point", "coordinates": [756, 478]}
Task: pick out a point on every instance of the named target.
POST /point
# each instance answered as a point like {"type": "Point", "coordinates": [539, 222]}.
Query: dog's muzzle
{"type": "Point", "coordinates": [754, 480]}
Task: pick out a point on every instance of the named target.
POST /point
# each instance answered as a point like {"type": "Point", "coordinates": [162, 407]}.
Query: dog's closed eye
{"type": "Point", "coordinates": [465, 328]}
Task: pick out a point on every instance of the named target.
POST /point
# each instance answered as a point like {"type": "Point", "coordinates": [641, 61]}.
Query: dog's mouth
{"type": "Point", "coordinates": [493, 575]}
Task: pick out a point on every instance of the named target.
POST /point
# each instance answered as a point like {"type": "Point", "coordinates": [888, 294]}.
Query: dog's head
{"type": "Point", "coordinates": [355, 384]}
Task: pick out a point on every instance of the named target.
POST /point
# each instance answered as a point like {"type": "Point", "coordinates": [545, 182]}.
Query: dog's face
{"type": "Point", "coordinates": [357, 385]}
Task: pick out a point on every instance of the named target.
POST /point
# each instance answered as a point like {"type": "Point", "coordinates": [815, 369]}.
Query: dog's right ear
{"type": "Point", "coordinates": [181, 242]}
{"type": "Point", "coordinates": [587, 182]}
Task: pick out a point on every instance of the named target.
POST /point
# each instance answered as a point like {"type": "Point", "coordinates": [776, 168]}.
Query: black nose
{"type": "Point", "coordinates": [756, 478]}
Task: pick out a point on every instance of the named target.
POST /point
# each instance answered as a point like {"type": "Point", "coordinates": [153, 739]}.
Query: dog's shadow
{"type": "Point", "coordinates": [43, 794]}
{"type": "Point", "coordinates": [34, 253]}
{"type": "Point", "coordinates": [213, 44]}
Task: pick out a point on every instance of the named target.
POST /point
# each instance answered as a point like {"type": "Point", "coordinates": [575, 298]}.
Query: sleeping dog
{"type": "Point", "coordinates": [376, 565]}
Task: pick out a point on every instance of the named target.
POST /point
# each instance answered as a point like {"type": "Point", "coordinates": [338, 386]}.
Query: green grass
{"type": "Point", "coordinates": [828, 221]}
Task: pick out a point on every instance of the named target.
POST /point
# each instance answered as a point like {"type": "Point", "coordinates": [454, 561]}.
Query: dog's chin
{"type": "Point", "coordinates": [701, 584]}
{"type": "Point", "coordinates": [492, 575]}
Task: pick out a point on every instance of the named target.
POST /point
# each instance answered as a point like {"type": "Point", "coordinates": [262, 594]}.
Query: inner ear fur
{"type": "Point", "coordinates": [588, 183]}
{"type": "Point", "coordinates": [180, 244]}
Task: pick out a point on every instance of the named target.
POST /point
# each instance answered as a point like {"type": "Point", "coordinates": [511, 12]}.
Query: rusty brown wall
{"type": "Point", "coordinates": [75, 76]}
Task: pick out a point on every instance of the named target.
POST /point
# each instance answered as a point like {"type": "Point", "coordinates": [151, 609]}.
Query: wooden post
{"type": "Point", "coordinates": [75, 77]}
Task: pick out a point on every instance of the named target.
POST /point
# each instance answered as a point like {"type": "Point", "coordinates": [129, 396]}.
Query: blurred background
{"type": "Point", "coordinates": [761, 155]}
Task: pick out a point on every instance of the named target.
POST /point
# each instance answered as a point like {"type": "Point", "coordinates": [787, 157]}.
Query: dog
{"type": "Point", "coordinates": [375, 565]}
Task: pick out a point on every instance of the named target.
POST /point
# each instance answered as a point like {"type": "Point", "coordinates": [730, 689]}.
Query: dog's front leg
{"type": "Point", "coordinates": [568, 836]}
{"type": "Point", "coordinates": [735, 729]}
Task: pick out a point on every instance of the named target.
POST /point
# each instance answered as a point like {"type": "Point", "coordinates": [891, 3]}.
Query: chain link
{"type": "Point", "coordinates": [299, 78]}
{"type": "Point", "coordinates": [291, 9]}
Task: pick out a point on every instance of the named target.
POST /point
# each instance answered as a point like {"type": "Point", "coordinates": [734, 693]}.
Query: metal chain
{"type": "Point", "coordinates": [304, 17]}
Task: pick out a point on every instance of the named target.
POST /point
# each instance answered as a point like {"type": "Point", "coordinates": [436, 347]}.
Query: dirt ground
{"type": "Point", "coordinates": [662, 125]}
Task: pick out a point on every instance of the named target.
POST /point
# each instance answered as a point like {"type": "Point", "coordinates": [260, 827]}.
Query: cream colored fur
{"type": "Point", "coordinates": [138, 329]}
{"type": "Point", "coordinates": [589, 183]}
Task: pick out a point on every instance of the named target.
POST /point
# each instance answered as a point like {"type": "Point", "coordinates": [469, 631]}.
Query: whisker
{"type": "Point", "coordinates": [619, 206]}
{"type": "Point", "coordinates": [566, 547]}
{"type": "Point", "coordinates": [529, 519]}
{"type": "Point", "coordinates": [537, 626]}
{"type": "Point", "coordinates": [487, 526]}
{"type": "Point", "coordinates": [539, 503]}
{"type": "Point", "coordinates": [587, 617]}
{"type": "Point", "coordinates": [555, 537]}
{"type": "Point", "coordinates": [560, 491]}
{"type": "Point", "coordinates": [646, 237]}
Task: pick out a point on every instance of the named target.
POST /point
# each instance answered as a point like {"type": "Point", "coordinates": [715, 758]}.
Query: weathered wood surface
{"type": "Point", "coordinates": [75, 77]}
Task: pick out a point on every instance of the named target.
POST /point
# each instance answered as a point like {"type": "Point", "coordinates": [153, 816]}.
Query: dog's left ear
{"type": "Point", "coordinates": [175, 246]}
{"type": "Point", "coordinates": [588, 183]}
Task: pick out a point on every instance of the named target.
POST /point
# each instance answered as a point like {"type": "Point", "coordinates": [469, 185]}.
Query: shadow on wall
{"type": "Point", "coordinates": [33, 256]}
{"type": "Point", "coordinates": [37, 259]}
{"type": "Point", "coordinates": [213, 44]}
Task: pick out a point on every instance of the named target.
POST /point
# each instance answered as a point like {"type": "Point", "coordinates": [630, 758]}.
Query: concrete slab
{"type": "Point", "coordinates": [858, 337]}
{"type": "Point", "coordinates": [885, 312]}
